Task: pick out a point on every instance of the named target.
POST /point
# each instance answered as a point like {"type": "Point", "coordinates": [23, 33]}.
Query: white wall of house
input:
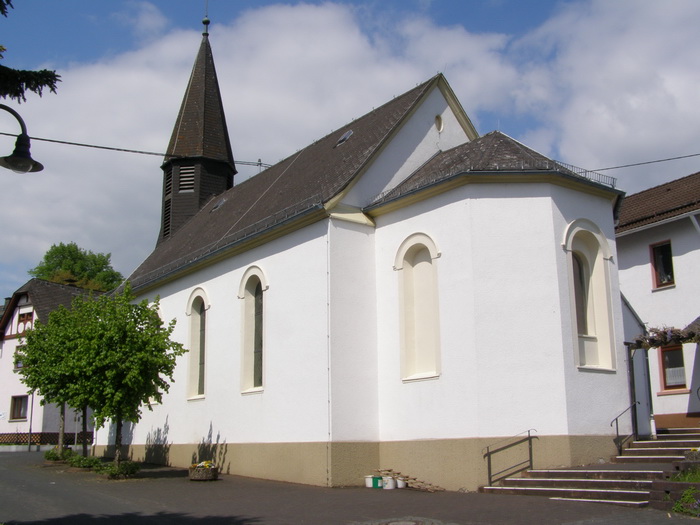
{"type": "Point", "coordinates": [292, 406]}
{"type": "Point", "coordinates": [415, 143]}
{"type": "Point", "coordinates": [675, 306]}
{"type": "Point", "coordinates": [505, 318]}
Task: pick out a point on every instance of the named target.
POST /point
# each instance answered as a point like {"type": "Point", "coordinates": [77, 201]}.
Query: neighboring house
{"type": "Point", "coordinates": [399, 294]}
{"type": "Point", "coordinates": [658, 242]}
{"type": "Point", "coordinates": [21, 411]}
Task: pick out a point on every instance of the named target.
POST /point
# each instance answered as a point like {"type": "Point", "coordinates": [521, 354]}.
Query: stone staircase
{"type": "Point", "coordinates": [625, 481]}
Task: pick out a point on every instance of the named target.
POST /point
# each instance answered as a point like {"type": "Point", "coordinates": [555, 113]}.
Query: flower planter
{"type": "Point", "coordinates": [204, 474]}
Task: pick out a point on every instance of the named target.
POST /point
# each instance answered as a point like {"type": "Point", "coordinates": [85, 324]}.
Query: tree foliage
{"type": "Point", "coordinates": [14, 83]}
{"type": "Point", "coordinates": [106, 352]}
{"type": "Point", "coordinates": [70, 264]}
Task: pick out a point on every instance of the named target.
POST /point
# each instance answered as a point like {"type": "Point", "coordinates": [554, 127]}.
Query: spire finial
{"type": "Point", "coordinates": [206, 20]}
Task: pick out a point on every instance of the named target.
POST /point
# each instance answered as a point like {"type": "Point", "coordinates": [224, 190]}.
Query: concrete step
{"type": "Point", "coordinates": [624, 474]}
{"type": "Point", "coordinates": [656, 451]}
{"type": "Point", "coordinates": [641, 496]}
{"type": "Point", "coordinates": [667, 431]}
{"type": "Point", "coordinates": [580, 483]}
{"type": "Point", "coordinates": [664, 443]}
{"type": "Point", "coordinates": [647, 459]}
{"type": "Point", "coordinates": [637, 504]}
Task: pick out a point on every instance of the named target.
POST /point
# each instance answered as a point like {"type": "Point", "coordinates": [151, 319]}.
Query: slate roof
{"type": "Point", "coordinates": [296, 189]}
{"type": "Point", "coordinates": [200, 129]}
{"type": "Point", "coordinates": [663, 202]}
{"type": "Point", "coordinates": [493, 153]}
{"type": "Point", "coordinates": [44, 296]}
{"type": "Point", "coordinates": [298, 185]}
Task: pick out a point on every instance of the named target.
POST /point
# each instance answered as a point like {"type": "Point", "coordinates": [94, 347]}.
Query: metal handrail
{"type": "Point", "coordinates": [513, 469]}
{"type": "Point", "coordinates": [619, 442]}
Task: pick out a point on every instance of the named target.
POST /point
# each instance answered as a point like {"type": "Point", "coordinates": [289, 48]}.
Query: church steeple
{"type": "Point", "coordinates": [199, 161]}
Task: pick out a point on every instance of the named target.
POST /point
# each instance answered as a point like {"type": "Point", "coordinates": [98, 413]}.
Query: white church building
{"type": "Point", "coordinates": [399, 294]}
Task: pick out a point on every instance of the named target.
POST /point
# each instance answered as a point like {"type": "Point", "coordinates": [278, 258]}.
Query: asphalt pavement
{"type": "Point", "coordinates": [32, 492]}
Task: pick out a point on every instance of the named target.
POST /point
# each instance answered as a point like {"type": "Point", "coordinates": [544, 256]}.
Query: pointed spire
{"type": "Point", "coordinates": [200, 129]}
{"type": "Point", "coordinates": [199, 163]}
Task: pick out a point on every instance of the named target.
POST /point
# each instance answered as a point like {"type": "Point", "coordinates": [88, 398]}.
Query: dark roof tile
{"type": "Point", "coordinates": [660, 203]}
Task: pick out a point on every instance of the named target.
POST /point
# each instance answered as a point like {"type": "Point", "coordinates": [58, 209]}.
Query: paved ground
{"type": "Point", "coordinates": [31, 492]}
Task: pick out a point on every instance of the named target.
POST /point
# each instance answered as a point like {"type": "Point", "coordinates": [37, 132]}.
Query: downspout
{"type": "Point", "coordinates": [328, 355]}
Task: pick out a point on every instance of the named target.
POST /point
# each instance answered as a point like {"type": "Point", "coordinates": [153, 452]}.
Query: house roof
{"type": "Point", "coordinates": [297, 191]}
{"type": "Point", "coordinates": [660, 203]}
{"type": "Point", "coordinates": [297, 186]}
{"type": "Point", "coordinates": [44, 296]}
{"type": "Point", "coordinates": [200, 129]}
{"type": "Point", "coordinates": [492, 154]}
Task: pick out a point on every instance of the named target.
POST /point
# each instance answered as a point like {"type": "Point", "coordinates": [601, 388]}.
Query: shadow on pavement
{"type": "Point", "coordinates": [162, 518]}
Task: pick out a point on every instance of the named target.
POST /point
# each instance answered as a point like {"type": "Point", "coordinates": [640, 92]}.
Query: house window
{"type": "Point", "coordinates": [19, 354]}
{"type": "Point", "coordinates": [662, 264]}
{"type": "Point", "coordinates": [253, 286]}
{"type": "Point", "coordinates": [24, 321]}
{"type": "Point", "coordinates": [18, 407]}
{"type": "Point", "coordinates": [591, 312]}
{"type": "Point", "coordinates": [198, 343]}
{"type": "Point", "coordinates": [420, 334]}
{"type": "Point", "coordinates": [672, 367]}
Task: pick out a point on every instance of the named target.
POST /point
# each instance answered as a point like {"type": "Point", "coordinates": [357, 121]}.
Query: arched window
{"type": "Point", "coordinates": [420, 334]}
{"type": "Point", "coordinates": [197, 313]}
{"type": "Point", "coordinates": [591, 302]}
{"type": "Point", "coordinates": [251, 291]}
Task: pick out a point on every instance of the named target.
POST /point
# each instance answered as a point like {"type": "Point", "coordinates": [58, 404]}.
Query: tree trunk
{"type": "Point", "coordinates": [118, 441]}
{"type": "Point", "coordinates": [85, 450]}
{"type": "Point", "coordinates": [61, 427]}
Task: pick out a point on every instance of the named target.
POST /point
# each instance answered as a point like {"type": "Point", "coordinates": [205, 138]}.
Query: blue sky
{"type": "Point", "coordinates": [593, 83]}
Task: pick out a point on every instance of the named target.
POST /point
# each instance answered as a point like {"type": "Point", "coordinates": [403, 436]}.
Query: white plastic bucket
{"type": "Point", "coordinates": [400, 483]}
{"type": "Point", "coordinates": [368, 481]}
{"type": "Point", "coordinates": [389, 482]}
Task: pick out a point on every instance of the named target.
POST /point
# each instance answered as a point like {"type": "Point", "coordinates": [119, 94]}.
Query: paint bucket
{"type": "Point", "coordinates": [368, 481]}
{"type": "Point", "coordinates": [377, 482]}
{"type": "Point", "coordinates": [389, 482]}
{"type": "Point", "coordinates": [400, 483]}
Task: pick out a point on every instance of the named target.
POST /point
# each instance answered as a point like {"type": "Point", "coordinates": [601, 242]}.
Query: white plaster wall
{"type": "Point", "coordinates": [416, 142]}
{"type": "Point", "coordinates": [594, 398]}
{"type": "Point", "coordinates": [293, 405]}
{"type": "Point", "coordinates": [353, 339]}
{"type": "Point", "coordinates": [11, 385]}
{"type": "Point", "coordinates": [501, 333]}
{"type": "Point", "coordinates": [674, 306]}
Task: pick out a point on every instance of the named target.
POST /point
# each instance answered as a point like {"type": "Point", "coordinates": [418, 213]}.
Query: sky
{"type": "Point", "coordinates": [592, 83]}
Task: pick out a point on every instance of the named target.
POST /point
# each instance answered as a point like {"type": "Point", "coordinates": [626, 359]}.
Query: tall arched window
{"type": "Point", "coordinates": [197, 312]}
{"type": "Point", "coordinates": [589, 257]}
{"type": "Point", "coordinates": [251, 292]}
{"type": "Point", "coordinates": [420, 327]}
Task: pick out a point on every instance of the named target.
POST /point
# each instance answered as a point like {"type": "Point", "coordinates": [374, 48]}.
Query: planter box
{"type": "Point", "coordinates": [204, 474]}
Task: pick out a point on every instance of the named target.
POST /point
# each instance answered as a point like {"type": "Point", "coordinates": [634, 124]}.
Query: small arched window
{"type": "Point", "coordinates": [420, 334]}
{"type": "Point", "coordinates": [591, 302]}
{"type": "Point", "coordinates": [253, 286]}
{"type": "Point", "coordinates": [197, 312]}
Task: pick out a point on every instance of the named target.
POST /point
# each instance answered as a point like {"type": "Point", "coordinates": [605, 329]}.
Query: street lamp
{"type": "Point", "coordinates": [20, 161]}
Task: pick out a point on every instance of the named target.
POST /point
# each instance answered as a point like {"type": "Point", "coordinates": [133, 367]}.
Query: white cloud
{"type": "Point", "coordinates": [620, 86]}
{"type": "Point", "coordinates": [601, 83]}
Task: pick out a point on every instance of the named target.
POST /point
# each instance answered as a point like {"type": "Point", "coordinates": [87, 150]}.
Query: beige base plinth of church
{"type": "Point", "coordinates": [452, 464]}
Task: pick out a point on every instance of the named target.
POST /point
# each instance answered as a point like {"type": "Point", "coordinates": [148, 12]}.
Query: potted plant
{"type": "Point", "coordinates": [204, 471]}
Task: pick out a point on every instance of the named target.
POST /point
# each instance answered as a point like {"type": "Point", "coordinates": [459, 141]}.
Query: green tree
{"type": "Point", "coordinates": [50, 367]}
{"type": "Point", "coordinates": [14, 83]}
{"type": "Point", "coordinates": [121, 357]}
{"type": "Point", "coordinates": [70, 264]}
